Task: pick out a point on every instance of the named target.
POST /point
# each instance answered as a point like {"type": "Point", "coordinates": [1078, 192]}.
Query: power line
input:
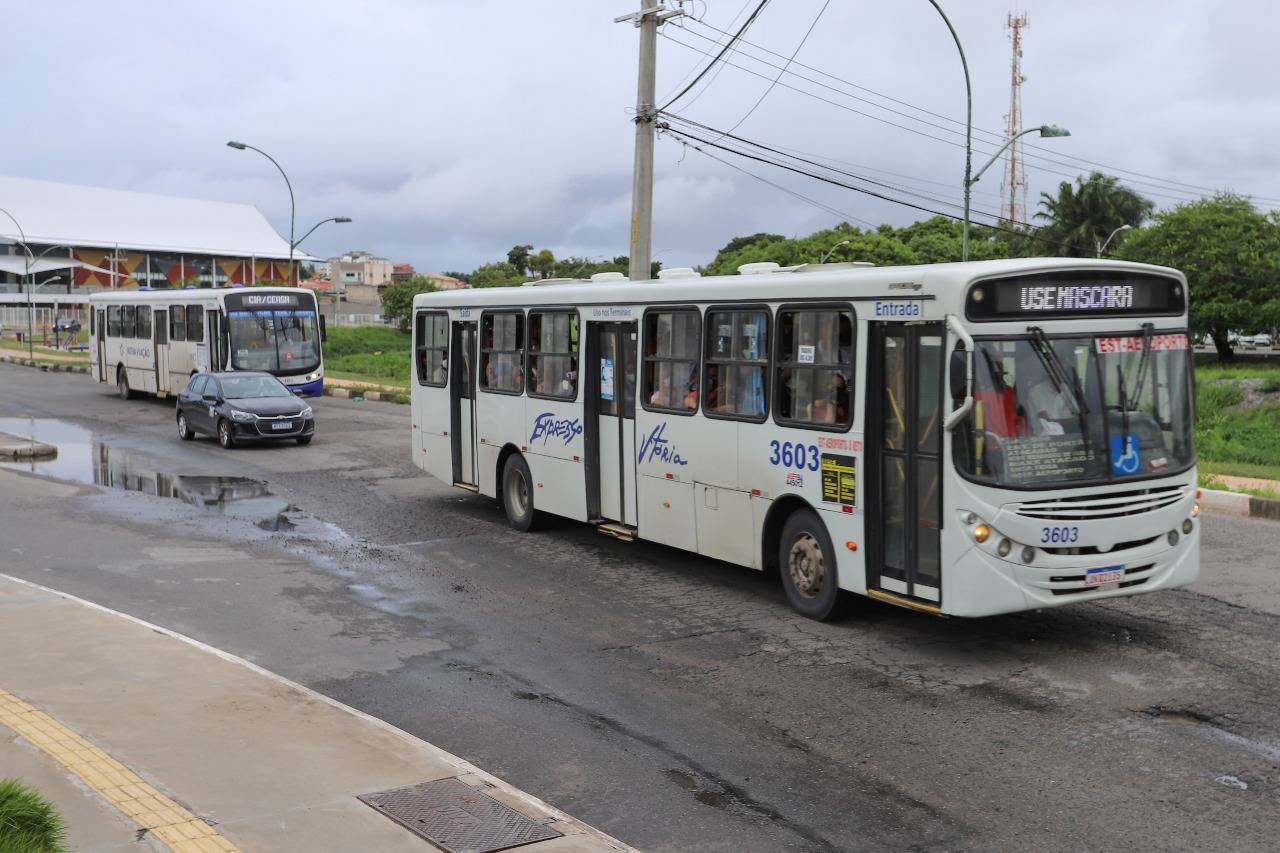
{"type": "Point", "coordinates": [745, 24]}
{"type": "Point", "coordinates": [783, 70]}
{"type": "Point", "coordinates": [1168, 183]}
{"type": "Point", "coordinates": [954, 143]}
{"type": "Point", "coordinates": [693, 69]}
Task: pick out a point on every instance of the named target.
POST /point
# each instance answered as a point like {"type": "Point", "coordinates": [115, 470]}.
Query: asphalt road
{"type": "Point", "coordinates": [673, 701]}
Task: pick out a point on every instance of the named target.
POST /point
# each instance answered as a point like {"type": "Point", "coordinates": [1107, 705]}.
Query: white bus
{"type": "Point", "coordinates": [962, 439]}
{"type": "Point", "coordinates": [153, 340]}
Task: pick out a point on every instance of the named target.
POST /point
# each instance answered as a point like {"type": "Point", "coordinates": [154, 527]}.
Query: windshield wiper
{"type": "Point", "coordinates": [1124, 403]}
{"type": "Point", "coordinates": [1144, 362]}
{"type": "Point", "coordinates": [1056, 370]}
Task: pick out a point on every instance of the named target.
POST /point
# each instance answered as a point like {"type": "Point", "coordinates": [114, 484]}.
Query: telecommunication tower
{"type": "Point", "coordinates": [1013, 190]}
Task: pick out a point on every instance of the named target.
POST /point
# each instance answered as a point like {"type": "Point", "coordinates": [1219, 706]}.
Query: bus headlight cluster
{"type": "Point", "coordinates": [1186, 526]}
{"type": "Point", "coordinates": [1004, 547]}
{"type": "Point", "coordinates": [1173, 537]}
{"type": "Point", "coordinates": [312, 377]}
{"type": "Point", "coordinates": [981, 533]}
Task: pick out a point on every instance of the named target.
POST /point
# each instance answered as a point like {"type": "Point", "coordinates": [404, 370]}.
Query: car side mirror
{"type": "Point", "coordinates": [212, 398]}
{"type": "Point", "coordinates": [957, 378]}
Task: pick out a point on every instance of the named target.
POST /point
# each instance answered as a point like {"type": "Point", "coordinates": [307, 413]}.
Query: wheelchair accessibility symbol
{"type": "Point", "coordinates": [1124, 454]}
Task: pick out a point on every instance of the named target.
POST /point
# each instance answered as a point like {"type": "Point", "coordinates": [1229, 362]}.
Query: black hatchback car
{"type": "Point", "coordinates": [243, 407]}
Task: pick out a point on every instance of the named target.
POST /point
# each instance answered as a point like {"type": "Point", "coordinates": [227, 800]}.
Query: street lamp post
{"type": "Point", "coordinates": [241, 146]}
{"type": "Point", "coordinates": [822, 259]}
{"type": "Point", "coordinates": [968, 129]}
{"type": "Point", "coordinates": [337, 305]}
{"type": "Point", "coordinates": [1047, 131]}
{"type": "Point", "coordinates": [1102, 246]}
{"type": "Point", "coordinates": [31, 305]}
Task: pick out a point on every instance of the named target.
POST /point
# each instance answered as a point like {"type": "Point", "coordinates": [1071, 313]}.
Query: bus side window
{"type": "Point", "coordinates": [814, 374]}
{"type": "Point", "coordinates": [143, 329]}
{"type": "Point", "coordinates": [195, 322]}
{"type": "Point", "coordinates": [671, 348]}
{"type": "Point", "coordinates": [113, 321]}
{"type": "Point", "coordinates": [553, 354]}
{"type": "Point", "coordinates": [502, 352]}
{"type": "Point", "coordinates": [737, 357]}
{"type": "Point", "coordinates": [177, 323]}
{"type": "Point", "coordinates": [431, 340]}
{"type": "Point", "coordinates": [128, 321]}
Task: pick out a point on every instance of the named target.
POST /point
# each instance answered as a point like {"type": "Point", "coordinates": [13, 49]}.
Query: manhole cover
{"type": "Point", "coordinates": [457, 817]}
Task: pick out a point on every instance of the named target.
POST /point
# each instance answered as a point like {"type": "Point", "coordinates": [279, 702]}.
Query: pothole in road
{"type": "Point", "coordinates": [83, 459]}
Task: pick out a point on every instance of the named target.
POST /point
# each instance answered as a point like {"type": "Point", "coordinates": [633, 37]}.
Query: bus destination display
{"type": "Point", "coordinates": [1075, 295]}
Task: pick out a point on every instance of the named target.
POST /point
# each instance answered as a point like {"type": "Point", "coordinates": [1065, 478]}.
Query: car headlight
{"type": "Point", "coordinates": [242, 417]}
{"type": "Point", "coordinates": [307, 412]}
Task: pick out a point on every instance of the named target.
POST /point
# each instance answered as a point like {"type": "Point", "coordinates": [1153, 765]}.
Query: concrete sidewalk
{"type": "Point", "coordinates": [129, 727]}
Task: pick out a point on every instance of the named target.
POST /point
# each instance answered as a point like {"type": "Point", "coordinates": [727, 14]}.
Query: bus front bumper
{"type": "Point", "coordinates": [307, 389]}
{"type": "Point", "coordinates": [981, 584]}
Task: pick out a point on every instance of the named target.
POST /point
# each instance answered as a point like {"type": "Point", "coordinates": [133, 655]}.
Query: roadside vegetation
{"type": "Point", "coordinates": [1238, 417]}
{"type": "Point", "coordinates": [375, 354]}
{"type": "Point", "coordinates": [28, 822]}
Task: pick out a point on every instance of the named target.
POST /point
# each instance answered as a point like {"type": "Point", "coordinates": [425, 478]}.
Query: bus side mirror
{"type": "Point", "coordinates": [324, 330]}
{"type": "Point", "coordinates": [957, 379]}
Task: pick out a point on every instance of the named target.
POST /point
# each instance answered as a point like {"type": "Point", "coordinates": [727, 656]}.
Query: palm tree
{"type": "Point", "coordinates": [1082, 216]}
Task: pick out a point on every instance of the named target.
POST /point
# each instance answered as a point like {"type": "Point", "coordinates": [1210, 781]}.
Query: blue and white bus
{"type": "Point", "coordinates": [153, 340]}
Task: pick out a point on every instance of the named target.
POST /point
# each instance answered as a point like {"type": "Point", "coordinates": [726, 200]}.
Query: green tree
{"type": "Point", "coordinates": [543, 264]}
{"type": "Point", "coordinates": [306, 272]}
{"type": "Point", "coordinates": [497, 274]}
{"type": "Point", "coordinates": [397, 299]}
{"type": "Point", "coordinates": [1230, 254]}
{"type": "Point", "coordinates": [518, 257]}
{"type": "Point", "coordinates": [1082, 216]}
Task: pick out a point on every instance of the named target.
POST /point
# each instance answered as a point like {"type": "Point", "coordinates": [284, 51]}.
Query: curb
{"type": "Point", "coordinates": [1238, 503]}
{"type": "Point", "coordinates": [47, 368]}
{"type": "Point", "coordinates": [346, 393]}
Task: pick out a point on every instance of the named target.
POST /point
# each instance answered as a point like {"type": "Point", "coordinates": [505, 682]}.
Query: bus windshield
{"type": "Point", "coordinates": [1063, 410]}
{"type": "Point", "coordinates": [278, 341]}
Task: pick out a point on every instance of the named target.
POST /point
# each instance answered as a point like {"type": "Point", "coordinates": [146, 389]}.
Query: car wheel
{"type": "Point", "coordinates": [226, 437]}
{"type": "Point", "coordinates": [517, 494]}
{"type": "Point", "coordinates": [808, 567]}
{"type": "Point", "coordinates": [184, 428]}
{"type": "Point", "coordinates": [304, 440]}
{"type": "Point", "coordinates": [122, 384]}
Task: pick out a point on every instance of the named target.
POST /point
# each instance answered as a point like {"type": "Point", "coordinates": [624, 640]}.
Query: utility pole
{"type": "Point", "coordinates": [1013, 202]}
{"type": "Point", "coordinates": [651, 14]}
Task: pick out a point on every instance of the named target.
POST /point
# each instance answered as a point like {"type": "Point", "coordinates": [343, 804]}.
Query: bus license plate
{"type": "Point", "coordinates": [1107, 576]}
{"type": "Point", "coordinates": [282, 425]}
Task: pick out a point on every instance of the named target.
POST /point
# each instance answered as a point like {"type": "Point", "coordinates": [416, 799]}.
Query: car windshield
{"type": "Point", "coordinates": [1077, 409]}
{"type": "Point", "coordinates": [285, 341]}
{"type": "Point", "coordinates": [249, 387]}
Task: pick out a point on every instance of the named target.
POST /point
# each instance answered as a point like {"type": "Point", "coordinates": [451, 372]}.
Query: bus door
{"type": "Point", "coordinates": [904, 428]}
{"type": "Point", "coordinates": [214, 337]}
{"type": "Point", "coordinates": [100, 342]}
{"type": "Point", "coordinates": [462, 403]}
{"type": "Point", "coordinates": [610, 420]}
{"type": "Point", "coordinates": [160, 341]}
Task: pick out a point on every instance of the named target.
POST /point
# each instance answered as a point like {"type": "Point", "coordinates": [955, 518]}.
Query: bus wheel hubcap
{"type": "Point", "coordinates": [518, 492]}
{"type": "Point", "coordinates": [806, 565]}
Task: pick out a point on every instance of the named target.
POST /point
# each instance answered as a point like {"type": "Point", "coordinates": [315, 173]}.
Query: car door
{"type": "Point", "coordinates": [199, 416]}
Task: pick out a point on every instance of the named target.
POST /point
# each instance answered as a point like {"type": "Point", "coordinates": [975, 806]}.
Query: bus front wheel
{"type": "Point", "coordinates": [808, 567]}
{"type": "Point", "coordinates": [122, 384]}
{"type": "Point", "coordinates": [517, 494]}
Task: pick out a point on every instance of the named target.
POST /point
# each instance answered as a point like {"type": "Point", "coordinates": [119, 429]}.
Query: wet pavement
{"type": "Point", "coordinates": [677, 702]}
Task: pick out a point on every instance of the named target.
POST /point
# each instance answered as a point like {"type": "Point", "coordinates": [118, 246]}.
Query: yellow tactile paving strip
{"type": "Point", "coordinates": [124, 789]}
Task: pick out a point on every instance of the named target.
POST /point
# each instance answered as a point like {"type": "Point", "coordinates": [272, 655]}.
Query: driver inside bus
{"type": "Point", "coordinates": [1043, 404]}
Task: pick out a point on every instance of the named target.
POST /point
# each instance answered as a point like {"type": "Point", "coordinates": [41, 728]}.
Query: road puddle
{"type": "Point", "coordinates": [83, 459]}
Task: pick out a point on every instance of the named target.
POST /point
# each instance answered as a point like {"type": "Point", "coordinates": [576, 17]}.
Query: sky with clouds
{"type": "Point", "coordinates": [450, 130]}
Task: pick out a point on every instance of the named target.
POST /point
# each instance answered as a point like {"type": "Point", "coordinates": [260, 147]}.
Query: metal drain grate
{"type": "Point", "coordinates": [457, 817]}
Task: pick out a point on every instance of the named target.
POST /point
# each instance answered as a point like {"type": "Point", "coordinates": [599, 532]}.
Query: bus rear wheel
{"type": "Point", "coordinates": [517, 494]}
{"type": "Point", "coordinates": [808, 567]}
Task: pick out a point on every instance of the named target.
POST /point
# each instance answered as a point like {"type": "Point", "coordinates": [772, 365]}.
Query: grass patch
{"type": "Point", "coordinates": [28, 822]}
{"type": "Point", "coordinates": [1208, 368]}
{"type": "Point", "coordinates": [369, 354]}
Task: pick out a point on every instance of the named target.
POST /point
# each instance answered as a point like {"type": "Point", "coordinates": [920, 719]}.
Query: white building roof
{"type": "Point", "coordinates": [74, 215]}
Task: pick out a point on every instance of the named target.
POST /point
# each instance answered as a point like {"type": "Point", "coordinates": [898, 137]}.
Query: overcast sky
{"type": "Point", "coordinates": [452, 129]}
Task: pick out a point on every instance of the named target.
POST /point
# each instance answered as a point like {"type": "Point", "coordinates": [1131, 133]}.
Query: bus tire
{"type": "Point", "coordinates": [807, 564]}
{"type": "Point", "coordinates": [517, 494]}
{"type": "Point", "coordinates": [184, 428]}
{"type": "Point", "coordinates": [226, 435]}
{"type": "Point", "coordinates": [122, 384]}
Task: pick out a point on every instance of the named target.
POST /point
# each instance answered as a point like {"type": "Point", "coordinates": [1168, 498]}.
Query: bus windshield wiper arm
{"type": "Point", "coordinates": [1057, 371]}
{"type": "Point", "coordinates": [1143, 363]}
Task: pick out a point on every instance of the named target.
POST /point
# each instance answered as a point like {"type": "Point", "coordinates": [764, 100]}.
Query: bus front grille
{"type": "Point", "coordinates": [1093, 507]}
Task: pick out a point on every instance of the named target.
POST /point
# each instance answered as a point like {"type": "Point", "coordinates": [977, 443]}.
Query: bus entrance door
{"type": "Point", "coordinates": [217, 354]}
{"type": "Point", "coordinates": [462, 404]}
{"type": "Point", "coordinates": [610, 421]}
{"type": "Point", "coordinates": [161, 343]}
{"type": "Point", "coordinates": [100, 343]}
{"type": "Point", "coordinates": [904, 427]}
